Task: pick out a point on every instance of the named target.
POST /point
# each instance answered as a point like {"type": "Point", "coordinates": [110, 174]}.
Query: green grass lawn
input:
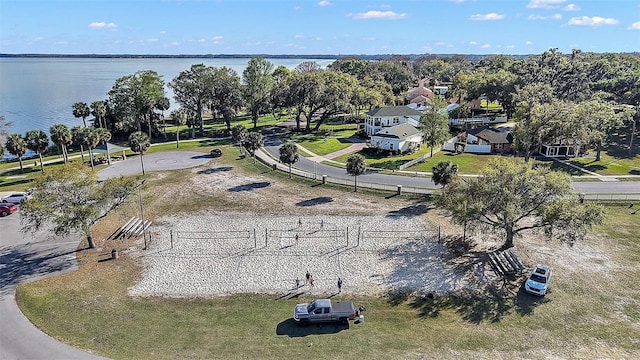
{"type": "Point", "coordinates": [320, 145]}
{"type": "Point", "coordinates": [391, 162]}
{"type": "Point", "coordinates": [609, 165]}
{"type": "Point", "coordinates": [584, 316]}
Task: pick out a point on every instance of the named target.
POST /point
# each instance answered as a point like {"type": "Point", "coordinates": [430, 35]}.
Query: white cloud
{"type": "Point", "coordinates": [202, 40]}
{"type": "Point", "coordinates": [540, 17]}
{"type": "Point", "coordinates": [592, 21]}
{"type": "Point", "coordinates": [635, 26]}
{"type": "Point", "coordinates": [571, 7]}
{"type": "Point", "coordinates": [324, 3]}
{"type": "Point", "coordinates": [298, 36]}
{"type": "Point", "coordinates": [175, 43]}
{"type": "Point", "coordinates": [473, 43]}
{"type": "Point", "coordinates": [217, 38]}
{"type": "Point", "coordinates": [483, 17]}
{"type": "Point", "coordinates": [102, 25]}
{"type": "Point", "coordinates": [373, 14]}
{"type": "Point", "coordinates": [528, 42]}
{"type": "Point", "coordinates": [544, 4]}
{"type": "Point", "coordinates": [460, 1]}
{"type": "Point", "coordinates": [485, 46]}
{"type": "Point", "coordinates": [440, 43]}
{"type": "Point", "coordinates": [153, 40]}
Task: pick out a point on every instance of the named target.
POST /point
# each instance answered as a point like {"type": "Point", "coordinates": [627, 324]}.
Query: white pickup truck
{"type": "Point", "coordinates": [324, 310]}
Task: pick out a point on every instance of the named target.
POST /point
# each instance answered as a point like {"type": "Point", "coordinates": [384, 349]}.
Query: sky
{"type": "Point", "coordinates": [325, 27]}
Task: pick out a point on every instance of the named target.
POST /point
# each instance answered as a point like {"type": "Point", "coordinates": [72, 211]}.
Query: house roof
{"type": "Point", "coordinates": [400, 132]}
{"type": "Point", "coordinates": [401, 110]}
{"type": "Point", "coordinates": [493, 135]}
{"type": "Point", "coordinates": [419, 90]}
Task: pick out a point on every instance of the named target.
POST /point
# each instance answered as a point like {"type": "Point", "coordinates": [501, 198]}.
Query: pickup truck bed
{"type": "Point", "coordinates": [323, 311]}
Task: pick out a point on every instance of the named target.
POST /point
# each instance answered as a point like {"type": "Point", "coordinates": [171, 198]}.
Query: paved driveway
{"type": "Point", "coordinates": [160, 161]}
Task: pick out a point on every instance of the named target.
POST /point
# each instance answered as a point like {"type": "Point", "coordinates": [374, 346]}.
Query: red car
{"type": "Point", "coordinates": [7, 208]}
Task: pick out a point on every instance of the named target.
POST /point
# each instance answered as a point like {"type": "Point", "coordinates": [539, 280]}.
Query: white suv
{"type": "Point", "coordinates": [538, 281]}
{"type": "Point", "coordinates": [15, 198]}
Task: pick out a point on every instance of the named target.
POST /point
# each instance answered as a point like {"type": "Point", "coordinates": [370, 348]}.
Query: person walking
{"type": "Point", "coordinates": [297, 238]}
{"type": "Point", "coordinates": [311, 280]}
{"type": "Point", "coordinates": [339, 285]}
{"type": "Point", "coordinates": [308, 277]}
{"type": "Point", "coordinates": [297, 283]}
{"type": "Point", "coordinates": [299, 222]}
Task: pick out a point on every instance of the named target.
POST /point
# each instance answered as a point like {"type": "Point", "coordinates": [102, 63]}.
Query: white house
{"type": "Point", "coordinates": [389, 116]}
{"type": "Point", "coordinates": [399, 138]}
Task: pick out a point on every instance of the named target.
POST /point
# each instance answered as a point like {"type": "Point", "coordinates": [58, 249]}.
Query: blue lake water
{"type": "Point", "coordinates": [36, 93]}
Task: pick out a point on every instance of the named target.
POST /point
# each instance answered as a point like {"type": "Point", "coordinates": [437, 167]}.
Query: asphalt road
{"type": "Point", "coordinates": [27, 258]}
{"type": "Point", "coordinates": [272, 146]}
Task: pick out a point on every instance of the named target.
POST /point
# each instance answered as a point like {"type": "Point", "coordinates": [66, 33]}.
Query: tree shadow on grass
{"type": "Point", "coordinates": [291, 329]}
{"type": "Point", "coordinates": [249, 187]}
{"type": "Point", "coordinates": [409, 211]}
{"type": "Point", "coordinates": [491, 305]}
{"type": "Point", "coordinates": [315, 201]}
{"type": "Point", "coordinates": [215, 170]}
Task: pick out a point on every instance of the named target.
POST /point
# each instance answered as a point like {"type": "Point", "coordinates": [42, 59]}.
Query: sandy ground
{"type": "Point", "coordinates": [374, 245]}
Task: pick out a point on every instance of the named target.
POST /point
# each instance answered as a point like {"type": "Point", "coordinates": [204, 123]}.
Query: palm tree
{"type": "Point", "coordinates": [163, 104]}
{"type": "Point", "coordinates": [99, 110]}
{"type": "Point", "coordinates": [253, 143]}
{"type": "Point", "coordinates": [289, 155]}
{"type": "Point", "coordinates": [239, 134]}
{"type": "Point", "coordinates": [61, 136]}
{"type": "Point", "coordinates": [179, 118]}
{"type": "Point", "coordinates": [17, 146]}
{"type": "Point", "coordinates": [90, 138]}
{"type": "Point", "coordinates": [38, 141]}
{"type": "Point", "coordinates": [105, 136]}
{"type": "Point", "coordinates": [139, 142]}
{"type": "Point", "coordinates": [443, 173]}
{"type": "Point", "coordinates": [76, 139]}
{"type": "Point", "coordinates": [81, 110]}
{"type": "Point", "coordinates": [356, 166]}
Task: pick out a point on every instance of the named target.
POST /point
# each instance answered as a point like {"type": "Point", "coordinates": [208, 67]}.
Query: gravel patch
{"type": "Point", "coordinates": [214, 254]}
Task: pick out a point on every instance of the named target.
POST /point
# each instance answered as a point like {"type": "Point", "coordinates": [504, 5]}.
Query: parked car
{"type": "Point", "coordinates": [7, 208]}
{"type": "Point", "coordinates": [216, 152]}
{"type": "Point", "coordinates": [15, 198]}
{"type": "Point", "coordinates": [324, 310]}
{"type": "Point", "coordinates": [538, 281]}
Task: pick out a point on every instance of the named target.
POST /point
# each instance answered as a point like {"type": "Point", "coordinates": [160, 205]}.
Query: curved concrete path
{"type": "Point", "coordinates": [27, 258]}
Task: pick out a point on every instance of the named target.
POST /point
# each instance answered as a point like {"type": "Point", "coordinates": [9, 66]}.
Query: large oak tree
{"type": "Point", "coordinates": [511, 196]}
{"type": "Point", "coordinates": [69, 199]}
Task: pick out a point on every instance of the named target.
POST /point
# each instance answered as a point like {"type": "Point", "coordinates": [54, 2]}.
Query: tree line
{"type": "Point", "coordinates": [578, 98]}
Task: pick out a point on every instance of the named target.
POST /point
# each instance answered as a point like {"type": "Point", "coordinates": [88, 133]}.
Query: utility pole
{"type": "Point", "coordinates": [144, 232]}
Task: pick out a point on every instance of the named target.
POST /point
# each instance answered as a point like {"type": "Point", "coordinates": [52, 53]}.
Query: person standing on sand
{"type": "Point", "coordinates": [339, 285]}
{"type": "Point", "coordinates": [308, 277]}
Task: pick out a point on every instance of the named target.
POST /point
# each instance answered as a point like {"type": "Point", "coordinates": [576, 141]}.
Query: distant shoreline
{"type": "Point", "coordinates": [470, 57]}
{"type": "Point", "coordinates": [248, 56]}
